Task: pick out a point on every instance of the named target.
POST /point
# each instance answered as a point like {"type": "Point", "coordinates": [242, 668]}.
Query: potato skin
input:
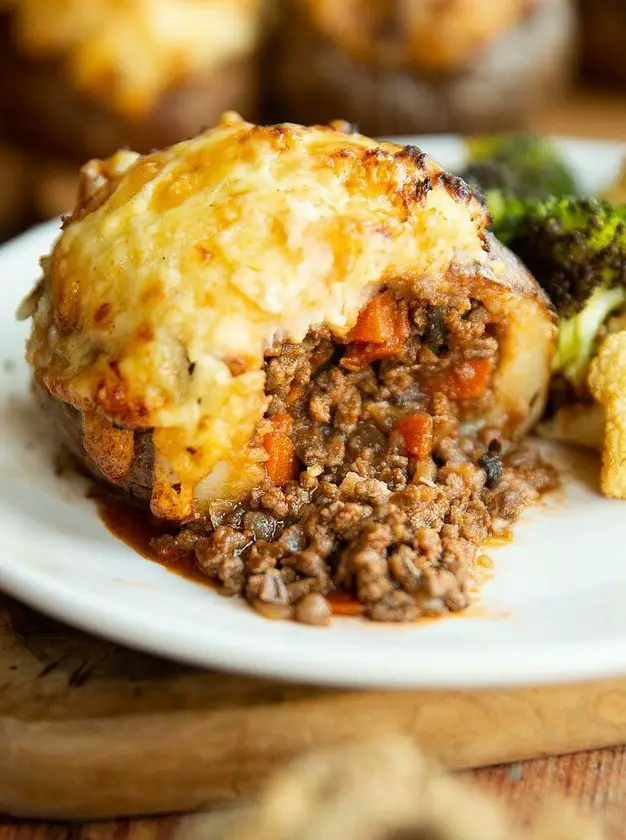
{"type": "Point", "coordinates": [67, 424]}
{"type": "Point", "coordinates": [527, 344]}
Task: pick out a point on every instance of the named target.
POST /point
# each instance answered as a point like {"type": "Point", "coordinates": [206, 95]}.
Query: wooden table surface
{"type": "Point", "coordinates": [596, 780]}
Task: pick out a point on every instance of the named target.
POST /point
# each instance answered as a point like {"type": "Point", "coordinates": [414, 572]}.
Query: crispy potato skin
{"type": "Point", "coordinates": [67, 423]}
{"type": "Point", "coordinates": [527, 343]}
{"type": "Point", "coordinates": [79, 128]}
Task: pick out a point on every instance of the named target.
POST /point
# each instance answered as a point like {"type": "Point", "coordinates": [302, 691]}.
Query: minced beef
{"type": "Point", "coordinates": [400, 534]}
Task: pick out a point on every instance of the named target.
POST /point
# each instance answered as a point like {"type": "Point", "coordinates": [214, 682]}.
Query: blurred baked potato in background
{"type": "Point", "coordinates": [82, 79]}
{"type": "Point", "coordinates": [396, 67]}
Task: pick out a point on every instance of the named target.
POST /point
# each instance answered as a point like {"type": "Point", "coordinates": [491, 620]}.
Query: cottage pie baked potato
{"type": "Point", "coordinates": [296, 344]}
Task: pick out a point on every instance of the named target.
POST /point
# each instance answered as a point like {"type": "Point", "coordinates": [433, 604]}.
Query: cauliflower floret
{"type": "Point", "coordinates": [607, 382]}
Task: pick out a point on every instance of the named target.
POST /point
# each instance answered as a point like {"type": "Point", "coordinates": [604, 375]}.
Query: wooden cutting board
{"type": "Point", "coordinates": [91, 729]}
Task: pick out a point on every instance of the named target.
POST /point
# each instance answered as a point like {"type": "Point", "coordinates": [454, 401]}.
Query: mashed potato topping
{"type": "Point", "coordinates": [178, 269]}
{"type": "Point", "coordinates": [128, 52]}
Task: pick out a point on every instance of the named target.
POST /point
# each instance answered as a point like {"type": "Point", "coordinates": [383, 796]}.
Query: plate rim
{"type": "Point", "coordinates": [558, 665]}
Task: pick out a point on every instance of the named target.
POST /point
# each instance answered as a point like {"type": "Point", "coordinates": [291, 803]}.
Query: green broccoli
{"type": "Point", "coordinates": [508, 212]}
{"type": "Point", "coordinates": [525, 165]}
{"type": "Point", "coordinates": [578, 334]}
{"type": "Point", "coordinates": [576, 248]}
{"type": "Point", "coordinates": [508, 170]}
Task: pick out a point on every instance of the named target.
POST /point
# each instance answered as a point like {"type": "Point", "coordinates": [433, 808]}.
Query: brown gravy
{"type": "Point", "coordinates": [136, 527]}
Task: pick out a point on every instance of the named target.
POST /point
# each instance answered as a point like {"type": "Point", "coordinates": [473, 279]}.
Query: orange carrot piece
{"type": "Point", "coordinates": [359, 355]}
{"type": "Point", "coordinates": [282, 462]}
{"type": "Point", "coordinates": [417, 431]}
{"type": "Point", "coordinates": [468, 380]}
{"type": "Point", "coordinates": [376, 323]}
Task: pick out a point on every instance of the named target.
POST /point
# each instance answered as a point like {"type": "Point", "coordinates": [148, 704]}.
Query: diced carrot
{"type": "Point", "coordinates": [359, 354]}
{"type": "Point", "coordinates": [417, 431]}
{"type": "Point", "coordinates": [376, 323]}
{"type": "Point", "coordinates": [344, 603]}
{"type": "Point", "coordinates": [282, 462]}
{"type": "Point", "coordinates": [468, 380]}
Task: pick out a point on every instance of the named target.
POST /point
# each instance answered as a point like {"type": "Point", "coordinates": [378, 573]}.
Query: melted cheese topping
{"type": "Point", "coordinates": [173, 277]}
{"type": "Point", "coordinates": [429, 34]}
{"type": "Point", "coordinates": [128, 52]}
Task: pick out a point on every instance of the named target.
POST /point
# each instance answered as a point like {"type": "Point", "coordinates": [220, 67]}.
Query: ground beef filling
{"type": "Point", "coordinates": [362, 514]}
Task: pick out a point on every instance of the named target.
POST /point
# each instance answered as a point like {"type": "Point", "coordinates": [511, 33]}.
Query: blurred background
{"type": "Point", "coordinates": [81, 78]}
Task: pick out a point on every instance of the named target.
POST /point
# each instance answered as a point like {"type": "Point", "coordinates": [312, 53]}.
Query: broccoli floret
{"type": "Point", "coordinates": [524, 165]}
{"type": "Point", "coordinates": [490, 175]}
{"type": "Point", "coordinates": [508, 211]}
{"type": "Point", "coordinates": [577, 335]}
{"type": "Point", "coordinates": [508, 170]}
{"type": "Point", "coordinates": [573, 247]}
{"type": "Point", "coordinates": [494, 185]}
{"type": "Point", "coordinates": [576, 248]}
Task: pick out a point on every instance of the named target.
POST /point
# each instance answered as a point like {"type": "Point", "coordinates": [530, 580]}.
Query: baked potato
{"type": "Point", "coordinates": [178, 272]}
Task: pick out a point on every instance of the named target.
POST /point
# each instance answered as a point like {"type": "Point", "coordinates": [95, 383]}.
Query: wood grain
{"type": "Point", "coordinates": [89, 729]}
{"type": "Point", "coordinates": [595, 781]}
{"type": "Point", "coordinates": [71, 698]}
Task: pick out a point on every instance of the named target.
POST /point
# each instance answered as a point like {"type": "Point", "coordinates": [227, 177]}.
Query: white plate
{"type": "Point", "coordinates": [555, 608]}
